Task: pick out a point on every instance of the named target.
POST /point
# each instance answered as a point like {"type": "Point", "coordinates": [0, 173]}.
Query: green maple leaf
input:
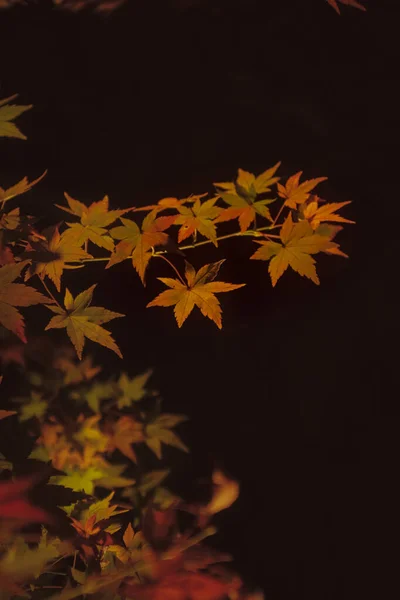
{"type": "Point", "coordinates": [94, 394]}
{"type": "Point", "coordinates": [103, 510]}
{"type": "Point", "coordinates": [79, 481]}
{"type": "Point", "coordinates": [20, 562]}
{"type": "Point", "coordinates": [83, 321]}
{"type": "Point", "coordinates": [34, 407]}
{"type": "Point", "coordinates": [113, 478]}
{"type": "Point", "coordinates": [151, 480]}
{"type": "Point", "coordinates": [93, 222]}
{"type": "Point", "coordinates": [241, 196]}
{"type": "Point", "coordinates": [134, 389]}
{"type": "Point", "coordinates": [159, 431]}
{"type": "Point", "coordinates": [16, 294]}
{"type": "Point", "coordinates": [8, 112]}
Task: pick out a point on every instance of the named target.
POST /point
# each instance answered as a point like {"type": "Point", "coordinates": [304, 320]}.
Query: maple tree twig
{"type": "Point", "coordinates": [194, 245]}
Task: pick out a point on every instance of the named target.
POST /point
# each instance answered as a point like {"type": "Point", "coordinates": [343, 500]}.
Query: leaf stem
{"type": "Point", "coordinates": [50, 294]}
{"type": "Point", "coordinates": [171, 265]}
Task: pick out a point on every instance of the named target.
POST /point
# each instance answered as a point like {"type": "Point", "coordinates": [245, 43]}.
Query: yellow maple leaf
{"type": "Point", "coordinates": [83, 321]}
{"type": "Point", "coordinates": [55, 250]}
{"type": "Point", "coordinates": [18, 188]}
{"type": "Point", "coordinates": [298, 242]}
{"type": "Point", "coordinates": [8, 112]}
{"type": "Point", "coordinates": [295, 193]}
{"type": "Point", "coordinates": [199, 290]}
{"type": "Point", "coordinates": [137, 243]}
{"type": "Point", "coordinates": [93, 222]}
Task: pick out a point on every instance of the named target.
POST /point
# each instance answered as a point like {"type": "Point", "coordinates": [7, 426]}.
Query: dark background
{"type": "Point", "coordinates": [292, 397]}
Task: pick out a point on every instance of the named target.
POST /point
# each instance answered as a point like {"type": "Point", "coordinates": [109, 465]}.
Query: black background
{"type": "Point", "coordinates": [292, 397]}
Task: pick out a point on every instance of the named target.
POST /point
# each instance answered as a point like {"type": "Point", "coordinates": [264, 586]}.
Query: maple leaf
{"type": "Point", "coordinates": [75, 372]}
{"type": "Point", "coordinates": [16, 294]}
{"type": "Point", "coordinates": [298, 243]}
{"type": "Point", "coordinates": [8, 112]}
{"type": "Point", "coordinates": [93, 222]}
{"type": "Point", "coordinates": [132, 390]}
{"type": "Point", "coordinates": [158, 431]}
{"type": "Point", "coordinates": [354, 3]}
{"type": "Point", "coordinates": [98, 391]}
{"type": "Point", "coordinates": [13, 504]}
{"type": "Point", "coordinates": [19, 188]}
{"type": "Point", "coordinates": [249, 183]}
{"type": "Point", "coordinates": [198, 217]}
{"type": "Point", "coordinates": [7, 413]}
{"type": "Point", "coordinates": [199, 291]}
{"type": "Point", "coordinates": [83, 321]}
{"type": "Point", "coordinates": [20, 561]}
{"type": "Point", "coordinates": [11, 220]}
{"type": "Point", "coordinates": [103, 510]}
{"type": "Point", "coordinates": [316, 214]}
{"type": "Point", "coordinates": [242, 197]}
{"type": "Point", "coordinates": [78, 480]}
{"type": "Point", "coordinates": [137, 243]}
{"type": "Point", "coordinates": [295, 193]}
{"type": "Point", "coordinates": [33, 406]}
{"type": "Point", "coordinates": [126, 431]}
{"type": "Point", "coordinates": [55, 251]}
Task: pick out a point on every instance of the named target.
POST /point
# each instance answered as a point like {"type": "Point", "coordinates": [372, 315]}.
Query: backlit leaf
{"type": "Point", "coordinates": [298, 242]}
{"type": "Point", "coordinates": [16, 294]}
{"type": "Point", "coordinates": [295, 193]}
{"type": "Point", "coordinates": [8, 112]}
{"type": "Point", "coordinates": [136, 243]}
{"type": "Point", "coordinates": [83, 321]}
{"type": "Point", "coordinates": [199, 291]}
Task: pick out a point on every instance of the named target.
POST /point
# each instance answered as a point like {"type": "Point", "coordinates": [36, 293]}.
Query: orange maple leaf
{"type": "Point", "coordinates": [354, 3]}
{"type": "Point", "coordinates": [136, 243]}
{"type": "Point", "coordinates": [295, 193]}
{"type": "Point", "coordinates": [298, 242]}
{"type": "Point", "coordinates": [316, 214]}
{"type": "Point", "coordinates": [199, 291]}
{"type": "Point", "coordinates": [198, 217]}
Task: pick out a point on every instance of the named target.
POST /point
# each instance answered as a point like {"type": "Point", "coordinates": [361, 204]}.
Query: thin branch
{"type": "Point", "coordinates": [247, 233]}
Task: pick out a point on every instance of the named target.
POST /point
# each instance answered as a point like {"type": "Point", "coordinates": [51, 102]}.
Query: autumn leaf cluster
{"type": "Point", "coordinates": [114, 528]}
{"type": "Point", "coordinates": [288, 221]}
